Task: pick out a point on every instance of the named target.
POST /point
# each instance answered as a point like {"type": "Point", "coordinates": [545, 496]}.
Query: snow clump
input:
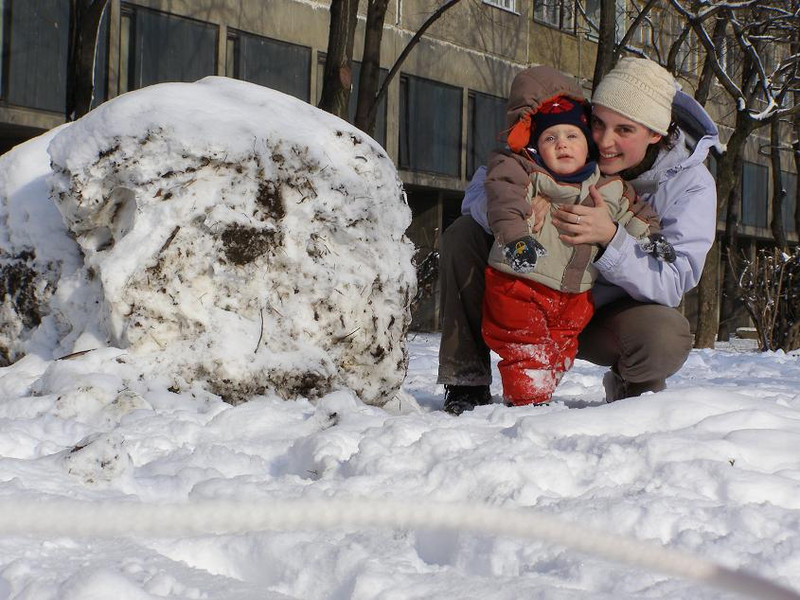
{"type": "Point", "coordinates": [238, 237]}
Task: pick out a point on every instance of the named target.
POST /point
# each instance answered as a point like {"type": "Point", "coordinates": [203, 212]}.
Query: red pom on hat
{"type": "Point", "coordinates": [555, 106]}
{"type": "Point", "coordinates": [520, 133]}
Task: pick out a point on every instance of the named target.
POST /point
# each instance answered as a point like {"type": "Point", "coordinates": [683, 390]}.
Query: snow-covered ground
{"type": "Point", "coordinates": [88, 414]}
{"type": "Point", "coordinates": [709, 467]}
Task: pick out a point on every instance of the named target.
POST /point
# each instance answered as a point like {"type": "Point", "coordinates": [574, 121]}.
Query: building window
{"type": "Point", "coordinates": [101, 60]}
{"type": "Point", "coordinates": [486, 119]}
{"type": "Point", "coordinates": [592, 11]}
{"type": "Point", "coordinates": [728, 55]}
{"type": "Point", "coordinates": [643, 36]}
{"type": "Point", "coordinates": [157, 47]}
{"type": "Point", "coordinates": [35, 56]}
{"type": "Point", "coordinates": [790, 201]}
{"type": "Point", "coordinates": [510, 5]}
{"type": "Point", "coordinates": [555, 13]}
{"type": "Point", "coordinates": [688, 57]}
{"type": "Point", "coordinates": [430, 126]}
{"type": "Point", "coordinates": [274, 64]}
{"type": "Point", "coordinates": [667, 35]}
{"type": "Point", "coordinates": [754, 194]}
{"type": "Point", "coordinates": [380, 120]}
{"type": "Point", "coordinates": [4, 24]}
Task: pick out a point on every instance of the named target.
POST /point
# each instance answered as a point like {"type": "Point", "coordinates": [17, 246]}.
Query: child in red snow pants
{"type": "Point", "coordinates": [534, 329]}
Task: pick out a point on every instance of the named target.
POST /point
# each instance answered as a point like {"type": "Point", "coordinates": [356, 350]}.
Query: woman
{"type": "Point", "coordinates": [636, 329]}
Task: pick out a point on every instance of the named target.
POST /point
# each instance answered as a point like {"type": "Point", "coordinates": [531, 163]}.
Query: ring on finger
{"type": "Point", "coordinates": [578, 220]}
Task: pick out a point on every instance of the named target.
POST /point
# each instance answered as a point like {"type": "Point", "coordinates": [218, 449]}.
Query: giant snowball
{"type": "Point", "coordinates": [241, 238]}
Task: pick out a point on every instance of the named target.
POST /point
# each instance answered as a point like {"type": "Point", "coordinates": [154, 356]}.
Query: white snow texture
{"type": "Point", "coordinates": [234, 236]}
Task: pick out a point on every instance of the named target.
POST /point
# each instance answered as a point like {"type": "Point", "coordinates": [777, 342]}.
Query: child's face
{"type": "Point", "coordinates": [563, 149]}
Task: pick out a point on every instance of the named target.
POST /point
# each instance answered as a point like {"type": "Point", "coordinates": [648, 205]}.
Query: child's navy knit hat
{"type": "Point", "coordinates": [560, 111]}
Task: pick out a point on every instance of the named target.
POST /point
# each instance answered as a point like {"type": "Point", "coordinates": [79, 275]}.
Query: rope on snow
{"type": "Point", "coordinates": [107, 519]}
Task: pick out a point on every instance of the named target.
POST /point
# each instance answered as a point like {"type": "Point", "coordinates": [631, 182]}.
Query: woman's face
{"type": "Point", "coordinates": [622, 143]}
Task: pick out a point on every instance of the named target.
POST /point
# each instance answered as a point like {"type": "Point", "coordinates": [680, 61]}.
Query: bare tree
{"type": "Point", "coordinates": [758, 89]}
{"type": "Point", "coordinates": [736, 37]}
{"type": "Point", "coordinates": [796, 154]}
{"type": "Point", "coordinates": [708, 288]}
{"type": "Point", "coordinates": [611, 43]}
{"type": "Point", "coordinates": [778, 190]}
{"type": "Point", "coordinates": [337, 79]}
{"type": "Point", "coordinates": [369, 78]}
{"type": "Point", "coordinates": [370, 109]}
{"type": "Point", "coordinates": [795, 121]}
{"type": "Point", "coordinates": [770, 287]}
{"type": "Point", "coordinates": [606, 41]}
{"type": "Point", "coordinates": [84, 30]}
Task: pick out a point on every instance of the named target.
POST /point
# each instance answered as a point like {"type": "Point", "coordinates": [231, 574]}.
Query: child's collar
{"type": "Point", "coordinates": [577, 177]}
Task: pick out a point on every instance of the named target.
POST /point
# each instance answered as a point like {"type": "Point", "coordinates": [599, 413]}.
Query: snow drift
{"type": "Point", "coordinates": [235, 236]}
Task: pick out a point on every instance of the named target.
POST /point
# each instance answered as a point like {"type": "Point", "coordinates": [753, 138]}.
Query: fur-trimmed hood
{"type": "Point", "coordinates": [529, 90]}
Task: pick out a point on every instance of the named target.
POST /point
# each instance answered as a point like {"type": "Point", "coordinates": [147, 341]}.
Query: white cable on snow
{"type": "Point", "coordinates": [106, 519]}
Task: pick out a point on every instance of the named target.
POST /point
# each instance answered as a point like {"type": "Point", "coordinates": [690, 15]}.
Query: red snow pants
{"type": "Point", "coordinates": [534, 329]}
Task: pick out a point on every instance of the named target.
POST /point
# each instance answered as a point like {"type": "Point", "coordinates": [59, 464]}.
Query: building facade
{"type": "Point", "coordinates": [440, 118]}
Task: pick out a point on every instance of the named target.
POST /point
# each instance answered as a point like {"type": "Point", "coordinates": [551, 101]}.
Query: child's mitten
{"type": "Point", "coordinates": [657, 245]}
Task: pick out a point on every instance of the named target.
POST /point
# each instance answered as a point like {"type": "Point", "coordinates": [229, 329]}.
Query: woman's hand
{"type": "Point", "coordinates": [585, 224]}
{"type": "Point", "coordinates": [540, 205]}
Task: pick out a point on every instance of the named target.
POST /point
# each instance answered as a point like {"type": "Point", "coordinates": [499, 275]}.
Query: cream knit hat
{"type": "Point", "coordinates": [641, 90]}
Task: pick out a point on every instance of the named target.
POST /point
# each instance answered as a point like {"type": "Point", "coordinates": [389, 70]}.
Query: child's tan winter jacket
{"type": "Point", "coordinates": [567, 268]}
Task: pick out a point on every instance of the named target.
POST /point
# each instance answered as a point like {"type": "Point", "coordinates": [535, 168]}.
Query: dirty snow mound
{"type": "Point", "coordinates": [39, 260]}
{"type": "Point", "coordinates": [241, 237]}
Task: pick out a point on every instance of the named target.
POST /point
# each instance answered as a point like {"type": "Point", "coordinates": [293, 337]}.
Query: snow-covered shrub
{"type": "Point", "coordinates": [770, 286]}
{"type": "Point", "coordinates": [239, 237]}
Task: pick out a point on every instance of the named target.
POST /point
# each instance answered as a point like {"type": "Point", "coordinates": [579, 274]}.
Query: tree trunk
{"type": "Point", "coordinates": [708, 300]}
{"type": "Point", "coordinates": [369, 79]}
{"type": "Point", "coordinates": [708, 289]}
{"type": "Point", "coordinates": [729, 165]}
{"type": "Point", "coordinates": [796, 150]}
{"type": "Point", "coordinates": [338, 78]}
{"type": "Point", "coordinates": [607, 39]}
{"type": "Point", "coordinates": [729, 255]}
{"type": "Point", "coordinates": [710, 314]}
{"type": "Point", "coordinates": [795, 49]}
{"type": "Point", "coordinates": [84, 28]}
{"type": "Point", "coordinates": [707, 74]}
{"type": "Point", "coordinates": [778, 191]}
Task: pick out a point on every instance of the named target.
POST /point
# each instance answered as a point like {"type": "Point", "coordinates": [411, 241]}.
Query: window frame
{"type": "Point", "coordinates": [789, 205]}
{"type": "Point", "coordinates": [405, 151]}
{"type": "Point", "coordinates": [758, 208]}
{"type": "Point", "coordinates": [23, 79]}
{"type": "Point", "coordinates": [5, 47]}
{"type": "Point", "coordinates": [620, 21]}
{"type": "Point", "coordinates": [128, 79]}
{"type": "Point", "coordinates": [233, 47]}
{"type": "Point", "coordinates": [506, 5]}
{"type": "Point", "coordinates": [562, 5]}
{"type": "Point", "coordinates": [473, 161]}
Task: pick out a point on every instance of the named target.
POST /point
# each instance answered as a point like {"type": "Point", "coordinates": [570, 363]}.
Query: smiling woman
{"type": "Point", "coordinates": [631, 113]}
{"type": "Point", "coordinates": [621, 143]}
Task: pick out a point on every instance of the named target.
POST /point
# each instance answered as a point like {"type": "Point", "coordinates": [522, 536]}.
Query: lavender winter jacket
{"type": "Point", "coordinates": [683, 193]}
